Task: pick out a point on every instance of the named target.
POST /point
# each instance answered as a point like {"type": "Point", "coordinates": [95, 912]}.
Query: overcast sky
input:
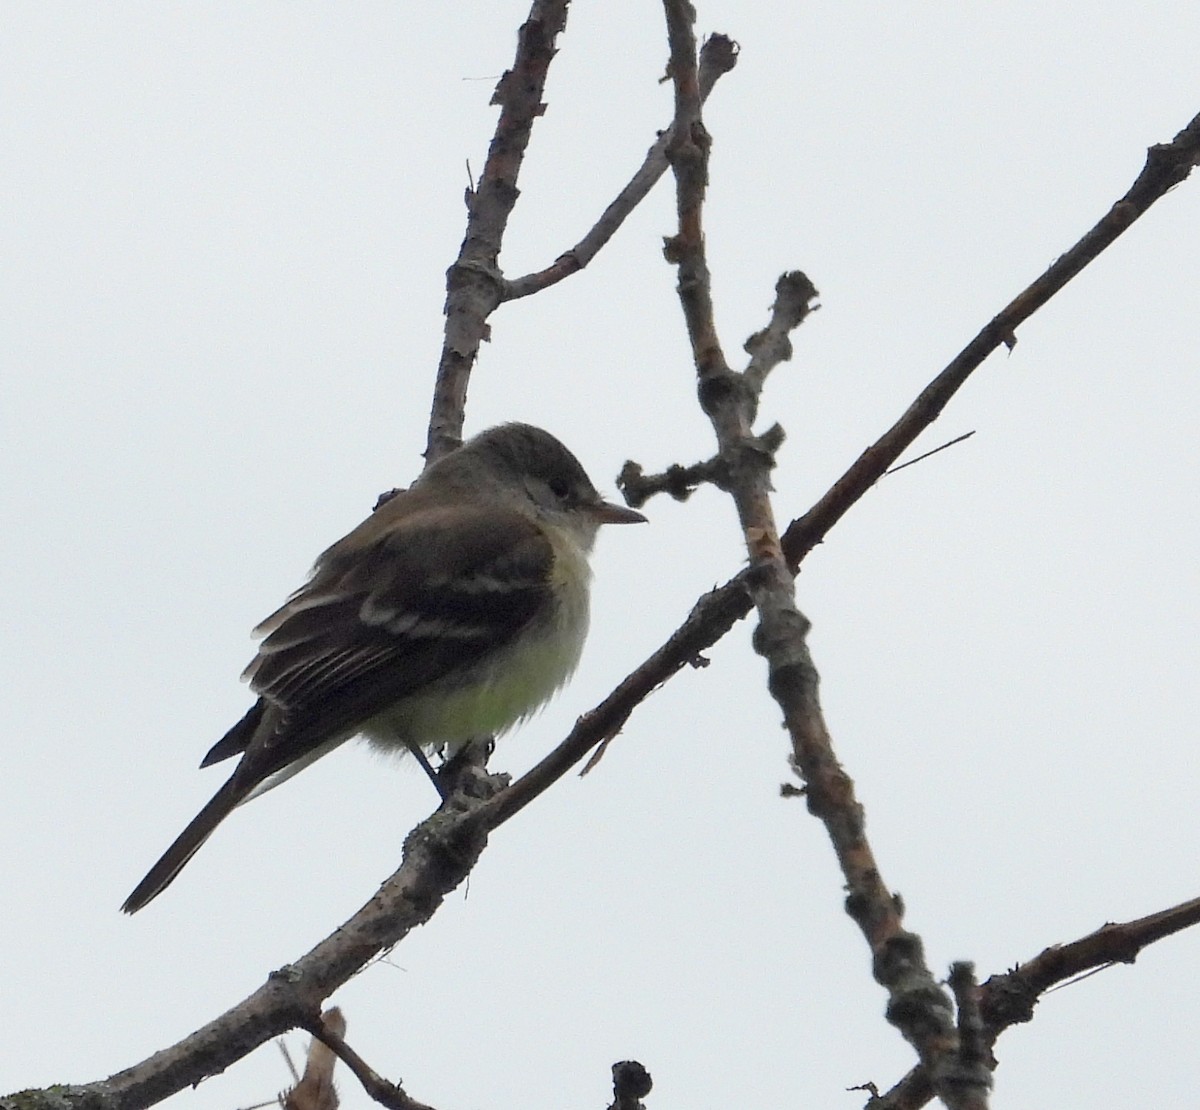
{"type": "Point", "coordinates": [224, 236]}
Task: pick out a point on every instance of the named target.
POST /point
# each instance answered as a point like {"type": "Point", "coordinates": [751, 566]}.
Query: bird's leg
{"type": "Point", "coordinates": [434, 776]}
{"type": "Point", "coordinates": [474, 753]}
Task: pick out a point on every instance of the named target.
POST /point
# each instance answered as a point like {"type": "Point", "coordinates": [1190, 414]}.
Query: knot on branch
{"type": "Point", "coordinates": [718, 54]}
{"type": "Point", "coordinates": [1174, 160]}
{"type": "Point", "coordinates": [631, 1083]}
{"type": "Point", "coordinates": [688, 147]}
{"type": "Point", "coordinates": [293, 993]}
{"type": "Point", "coordinates": [717, 388]}
{"type": "Point", "coordinates": [765, 342]}
{"type": "Point", "coordinates": [782, 642]}
{"type": "Point", "coordinates": [476, 280]}
{"type": "Point", "coordinates": [1008, 999]}
{"type": "Point", "coordinates": [758, 452]}
{"type": "Point", "coordinates": [899, 965]}
{"type": "Point", "coordinates": [921, 1011]}
{"type": "Point", "coordinates": [674, 249]}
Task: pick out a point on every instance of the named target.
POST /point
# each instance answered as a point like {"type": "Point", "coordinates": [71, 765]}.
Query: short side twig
{"type": "Point", "coordinates": [718, 56]}
{"type": "Point", "coordinates": [315, 1089]}
{"type": "Point", "coordinates": [379, 1089]}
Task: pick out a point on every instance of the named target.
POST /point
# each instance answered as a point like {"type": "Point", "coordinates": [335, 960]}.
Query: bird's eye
{"type": "Point", "coordinates": [560, 487]}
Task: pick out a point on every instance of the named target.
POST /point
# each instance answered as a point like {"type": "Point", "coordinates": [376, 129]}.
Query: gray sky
{"type": "Point", "coordinates": [225, 233]}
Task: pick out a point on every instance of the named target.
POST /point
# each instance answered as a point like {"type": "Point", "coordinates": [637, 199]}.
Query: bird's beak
{"type": "Point", "coordinates": [605, 512]}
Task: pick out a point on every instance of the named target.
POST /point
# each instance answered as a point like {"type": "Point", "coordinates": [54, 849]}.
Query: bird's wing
{"type": "Point", "coordinates": [426, 595]}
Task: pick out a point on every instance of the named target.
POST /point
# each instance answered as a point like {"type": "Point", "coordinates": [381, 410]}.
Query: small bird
{"type": "Point", "coordinates": [458, 608]}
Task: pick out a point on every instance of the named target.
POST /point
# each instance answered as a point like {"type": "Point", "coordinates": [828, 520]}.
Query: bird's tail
{"type": "Point", "coordinates": [187, 843]}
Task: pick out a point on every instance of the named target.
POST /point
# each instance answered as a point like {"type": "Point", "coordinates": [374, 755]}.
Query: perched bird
{"type": "Point", "coordinates": [456, 609]}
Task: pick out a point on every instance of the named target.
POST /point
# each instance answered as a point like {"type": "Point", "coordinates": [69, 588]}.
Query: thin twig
{"type": "Point", "coordinates": [1167, 164]}
{"type": "Point", "coordinates": [717, 57]}
{"type": "Point", "coordinates": [315, 1089]}
{"type": "Point", "coordinates": [381, 1090]}
{"type": "Point", "coordinates": [794, 297]}
{"type": "Point", "coordinates": [681, 482]}
{"type": "Point", "coordinates": [637, 487]}
{"type": "Point", "coordinates": [920, 458]}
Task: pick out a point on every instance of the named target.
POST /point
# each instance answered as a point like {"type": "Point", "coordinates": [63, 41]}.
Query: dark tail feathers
{"type": "Point", "coordinates": [187, 843]}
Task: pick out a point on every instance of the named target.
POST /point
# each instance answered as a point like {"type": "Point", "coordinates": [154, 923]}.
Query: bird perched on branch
{"type": "Point", "coordinates": [456, 609]}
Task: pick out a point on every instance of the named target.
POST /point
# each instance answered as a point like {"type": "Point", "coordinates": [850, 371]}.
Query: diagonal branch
{"type": "Point", "coordinates": [718, 56]}
{"type": "Point", "coordinates": [1167, 164]}
{"type": "Point", "coordinates": [438, 855]}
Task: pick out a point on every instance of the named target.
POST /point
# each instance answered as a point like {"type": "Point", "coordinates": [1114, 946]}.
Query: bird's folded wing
{"type": "Point", "coordinates": [388, 610]}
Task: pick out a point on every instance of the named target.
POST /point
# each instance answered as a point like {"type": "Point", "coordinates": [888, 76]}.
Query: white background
{"type": "Point", "coordinates": [224, 237]}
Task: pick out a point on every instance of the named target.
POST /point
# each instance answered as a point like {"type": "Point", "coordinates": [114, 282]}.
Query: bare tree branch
{"type": "Point", "coordinates": [438, 855]}
{"type": "Point", "coordinates": [718, 56]}
{"type": "Point", "coordinates": [1009, 999]}
{"type": "Point", "coordinates": [331, 1036]}
{"type": "Point", "coordinates": [315, 1089]}
{"type": "Point", "coordinates": [1167, 164]}
{"type": "Point", "coordinates": [473, 282]}
{"type": "Point", "coordinates": [917, 1006]}
{"type": "Point", "coordinates": [717, 611]}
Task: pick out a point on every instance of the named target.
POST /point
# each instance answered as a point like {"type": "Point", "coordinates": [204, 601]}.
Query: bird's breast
{"type": "Point", "coordinates": [509, 683]}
